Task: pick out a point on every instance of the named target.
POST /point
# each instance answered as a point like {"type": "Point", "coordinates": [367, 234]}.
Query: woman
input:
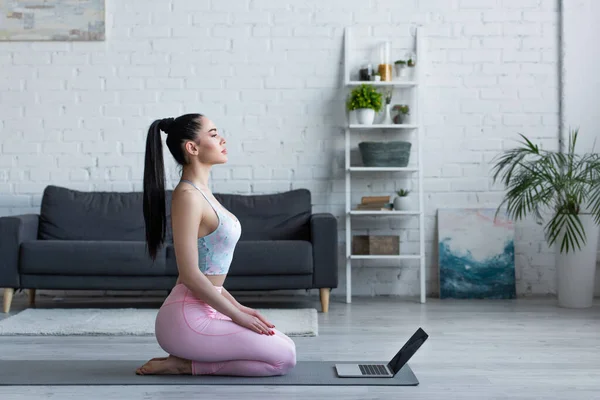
{"type": "Point", "coordinates": [200, 325]}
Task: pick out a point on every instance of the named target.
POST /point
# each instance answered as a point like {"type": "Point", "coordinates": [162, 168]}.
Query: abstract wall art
{"type": "Point", "coordinates": [52, 20]}
{"type": "Point", "coordinates": [476, 254]}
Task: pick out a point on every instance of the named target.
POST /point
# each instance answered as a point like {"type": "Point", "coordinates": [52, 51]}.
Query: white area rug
{"type": "Point", "coordinates": [131, 322]}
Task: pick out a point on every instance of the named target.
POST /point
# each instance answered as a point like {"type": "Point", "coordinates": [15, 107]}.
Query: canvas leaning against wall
{"type": "Point", "coordinates": [476, 254]}
{"type": "Point", "coordinates": [52, 20]}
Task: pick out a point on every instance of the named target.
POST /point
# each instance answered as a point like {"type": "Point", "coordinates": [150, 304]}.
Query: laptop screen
{"type": "Point", "coordinates": [407, 351]}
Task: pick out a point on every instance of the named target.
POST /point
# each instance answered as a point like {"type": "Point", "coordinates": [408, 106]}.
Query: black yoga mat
{"type": "Point", "coordinates": [122, 372]}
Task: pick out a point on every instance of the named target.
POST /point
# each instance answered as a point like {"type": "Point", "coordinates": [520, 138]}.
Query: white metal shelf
{"type": "Point", "coordinates": [383, 126]}
{"type": "Point", "coordinates": [386, 257]}
{"type": "Point", "coordinates": [400, 84]}
{"type": "Point", "coordinates": [383, 169]}
{"type": "Point", "coordinates": [415, 85]}
{"type": "Point", "coordinates": [383, 212]}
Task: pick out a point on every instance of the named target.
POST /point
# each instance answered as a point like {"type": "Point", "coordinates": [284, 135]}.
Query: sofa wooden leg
{"type": "Point", "coordinates": [31, 297]}
{"type": "Point", "coordinates": [8, 296]}
{"type": "Point", "coordinates": [324, 293]}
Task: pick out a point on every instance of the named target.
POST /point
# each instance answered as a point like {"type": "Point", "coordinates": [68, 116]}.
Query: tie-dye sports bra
{"type": "Point", "coordinates": [215, 250]}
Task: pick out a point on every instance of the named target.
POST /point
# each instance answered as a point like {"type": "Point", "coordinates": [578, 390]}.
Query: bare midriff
{"type": "Point", "coordinates": [216, 280]}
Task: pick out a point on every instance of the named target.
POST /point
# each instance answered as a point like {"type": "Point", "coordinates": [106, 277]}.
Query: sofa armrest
{"type": "Point", "coordinates": [324, 239]}
{"type": "Point", "coordinates": [14, 230]}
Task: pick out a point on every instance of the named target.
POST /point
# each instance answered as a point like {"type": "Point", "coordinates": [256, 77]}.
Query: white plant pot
{"type": "Point", "coordinates": [401, 71]}
{"type": "Point", "coordinates": [576, 270]}
{"type": "Point", "coordinates": [365, 116]}
{"type": "Point", "coordinates": [402, 203]}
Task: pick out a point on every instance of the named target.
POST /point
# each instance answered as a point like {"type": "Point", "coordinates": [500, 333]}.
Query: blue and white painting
{"type": "Point", "coordinates": [63, 20]}
{"type": "Point", "coordinates": [476, 254]}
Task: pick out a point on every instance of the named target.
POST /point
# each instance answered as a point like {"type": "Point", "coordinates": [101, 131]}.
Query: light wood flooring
{"type": "Point", "coordinates": [521, 349]}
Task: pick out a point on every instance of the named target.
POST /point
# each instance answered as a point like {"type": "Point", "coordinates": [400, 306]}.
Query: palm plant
{"type": "Point", "coordinates": [567, 184]}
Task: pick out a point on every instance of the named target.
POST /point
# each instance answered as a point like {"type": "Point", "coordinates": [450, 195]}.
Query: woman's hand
{"type": "Point", "coordinates": [254, 313]}
{"type": "Point", "coordinates": [252, 322]}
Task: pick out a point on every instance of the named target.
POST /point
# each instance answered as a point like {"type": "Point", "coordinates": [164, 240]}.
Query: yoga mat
{"type": "Point", "coordinates": [122, 372]}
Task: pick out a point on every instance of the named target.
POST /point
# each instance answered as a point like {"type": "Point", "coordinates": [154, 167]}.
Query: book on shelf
{"type": "Point", "coordinates": [375, 199]}
{"type": "Point", "coordinates": [374, 207]}
{"type": "Point", "coordinates": [374, 203]}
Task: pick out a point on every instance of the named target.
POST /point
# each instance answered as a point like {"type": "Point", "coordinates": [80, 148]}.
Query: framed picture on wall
{"type": "Point", "coordinates": [52, 20]}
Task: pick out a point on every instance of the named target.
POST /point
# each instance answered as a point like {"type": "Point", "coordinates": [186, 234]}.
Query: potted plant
{"type": "Point", "coordinates": [400, 68]}
{"type": "Point", "coordinates": [365, 100]}
{"type": "Point", "coordinates": [403, 110]}
{"type": "Point", "coordinates": [402, 202]}
{"type": "Point", "coordinates": [565, 187]}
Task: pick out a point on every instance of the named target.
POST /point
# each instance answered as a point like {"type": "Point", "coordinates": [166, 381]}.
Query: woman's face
{"type": "Point", "coordinates": [210, 146]}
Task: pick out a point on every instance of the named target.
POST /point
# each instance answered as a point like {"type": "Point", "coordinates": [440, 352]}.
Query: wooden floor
{"type": "Point", "coordinates": [522, 349]}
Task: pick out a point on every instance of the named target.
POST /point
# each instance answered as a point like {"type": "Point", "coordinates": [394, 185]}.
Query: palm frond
{"type": "Point", "coordinates": [563, 182]}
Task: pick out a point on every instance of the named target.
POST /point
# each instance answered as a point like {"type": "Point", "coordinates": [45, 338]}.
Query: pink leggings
{"type": "Point", "coordinates": [189, 328]}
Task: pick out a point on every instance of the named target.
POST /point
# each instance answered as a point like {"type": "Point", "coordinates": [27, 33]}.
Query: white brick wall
{"type": "Point", "coordinates": [268, 73]}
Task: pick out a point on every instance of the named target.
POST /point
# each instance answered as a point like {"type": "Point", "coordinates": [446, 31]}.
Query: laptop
{"type": "Point", "coordinates": [382, 370]}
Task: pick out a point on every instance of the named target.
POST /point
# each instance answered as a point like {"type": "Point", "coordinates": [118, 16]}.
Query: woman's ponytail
{"type": "Point", "coordinates": [154, 190]}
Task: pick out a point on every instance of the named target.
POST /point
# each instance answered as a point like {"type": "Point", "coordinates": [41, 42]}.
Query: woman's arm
{"type": "Point", "coordinates": [232, 299]}
{"type": "Point", "coordinates": [246, 310]}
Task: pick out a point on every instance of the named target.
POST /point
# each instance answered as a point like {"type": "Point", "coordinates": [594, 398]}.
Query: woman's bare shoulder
{"type": "Point", "coordinates": [186, 201]}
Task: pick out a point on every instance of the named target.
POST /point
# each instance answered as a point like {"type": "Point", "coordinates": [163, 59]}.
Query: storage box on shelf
{"type": "Point", "coordinates": [410, 132]}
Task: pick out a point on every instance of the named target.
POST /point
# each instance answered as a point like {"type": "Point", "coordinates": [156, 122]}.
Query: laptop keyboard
{"type": "Point", "coordinates": [373, 369]}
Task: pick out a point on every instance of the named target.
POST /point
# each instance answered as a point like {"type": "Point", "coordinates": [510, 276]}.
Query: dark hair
{"type": "Point", "coordinates": [178, 130]}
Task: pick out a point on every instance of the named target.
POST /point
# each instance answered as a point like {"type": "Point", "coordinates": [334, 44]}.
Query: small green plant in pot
{"type": "Point", "coordinates": [365, 100]}
{"type": "Point", "coordinates": [400, 68]}
{"type": "Point", "coordinates": [561, 190]}
{"type": "Point", "coordinates": [403, 111]}
{"type": "Point", "coordinates": [401, 201]}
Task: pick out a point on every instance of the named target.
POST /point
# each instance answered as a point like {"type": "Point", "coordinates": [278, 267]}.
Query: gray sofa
{"type": "Point", "coordinates": [95, 241]}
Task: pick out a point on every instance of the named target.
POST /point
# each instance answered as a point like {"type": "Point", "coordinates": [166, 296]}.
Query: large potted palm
{"type": "Point", "coordinates": [561, 190]}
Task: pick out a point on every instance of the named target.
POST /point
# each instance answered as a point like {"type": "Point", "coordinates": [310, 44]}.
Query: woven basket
{"type": "Point", "coordinates": [385, 154]}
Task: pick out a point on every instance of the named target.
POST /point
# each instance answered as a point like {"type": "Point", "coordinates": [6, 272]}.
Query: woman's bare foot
{"type": "Point", "coordinates": [166, 366]}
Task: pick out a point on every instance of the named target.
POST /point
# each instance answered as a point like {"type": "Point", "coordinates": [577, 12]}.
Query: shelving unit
{"type": "Point", "coordinates": [415, 130]}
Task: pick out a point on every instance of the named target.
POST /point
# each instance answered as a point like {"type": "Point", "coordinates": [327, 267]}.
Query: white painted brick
{"type": "Point", "coordinates": [76, 135]}
{"type": "Point", "coordinates": [60, 148]}
{"type": "Point", "coordinates": [252, 44]}
{"type": "Point", "coordinates": [283, 83]}
{"type": "Point", "coordinates": [233, 187]}
{"type": "Point", "coordinates": [235, 31]}
{"type": "Point", "coordinates": [475, 56]}
{"type": "Point", "coordinates": [254, 17]}
{"type": "Point", "coordinates": [521, 4]}
{"type": "Point", "coordinates": [333, 17]}
{"type": "Point", "coordinates": [503, 16]}
{"type": "Point", "coordinates": [522, 29]}
{"type": "Point", "coordinates": [32, 58]}
{"type": "Point", "coordinates": [538, 68]}
{"type": "Point", "coordinates": [20, 148]}
{"type": "Point", "coordinates": [118, 83]}
{"type": "Point", "coordinates": [542, 42]}
{"type": "Point", "coordinates": [498, 93]}
{"type": "Point", "coordinates": [99, 147]}
{"type": "Point", "coordinates": [164, 83]}
{"type": "Point", "coordinates": [231, 5]}
{"type": "Point", "coordinates": [541, 16]}
{"type": "Point", "coordinates": [241, 173]}
{"type": "Point", "coordinates": [521, 120]}
{"type": "Point", "coordinates": [70, 58]}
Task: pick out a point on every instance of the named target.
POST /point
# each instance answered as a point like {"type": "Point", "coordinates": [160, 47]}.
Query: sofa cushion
{"type": "Point", "coordinates": [279, 216]}
{"type": "Point", "coordinates": [104, 258]}
{"type": "Point", "coordinates": [68, 214]}
{"type": "Point", "coordinates": [277, 257]}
